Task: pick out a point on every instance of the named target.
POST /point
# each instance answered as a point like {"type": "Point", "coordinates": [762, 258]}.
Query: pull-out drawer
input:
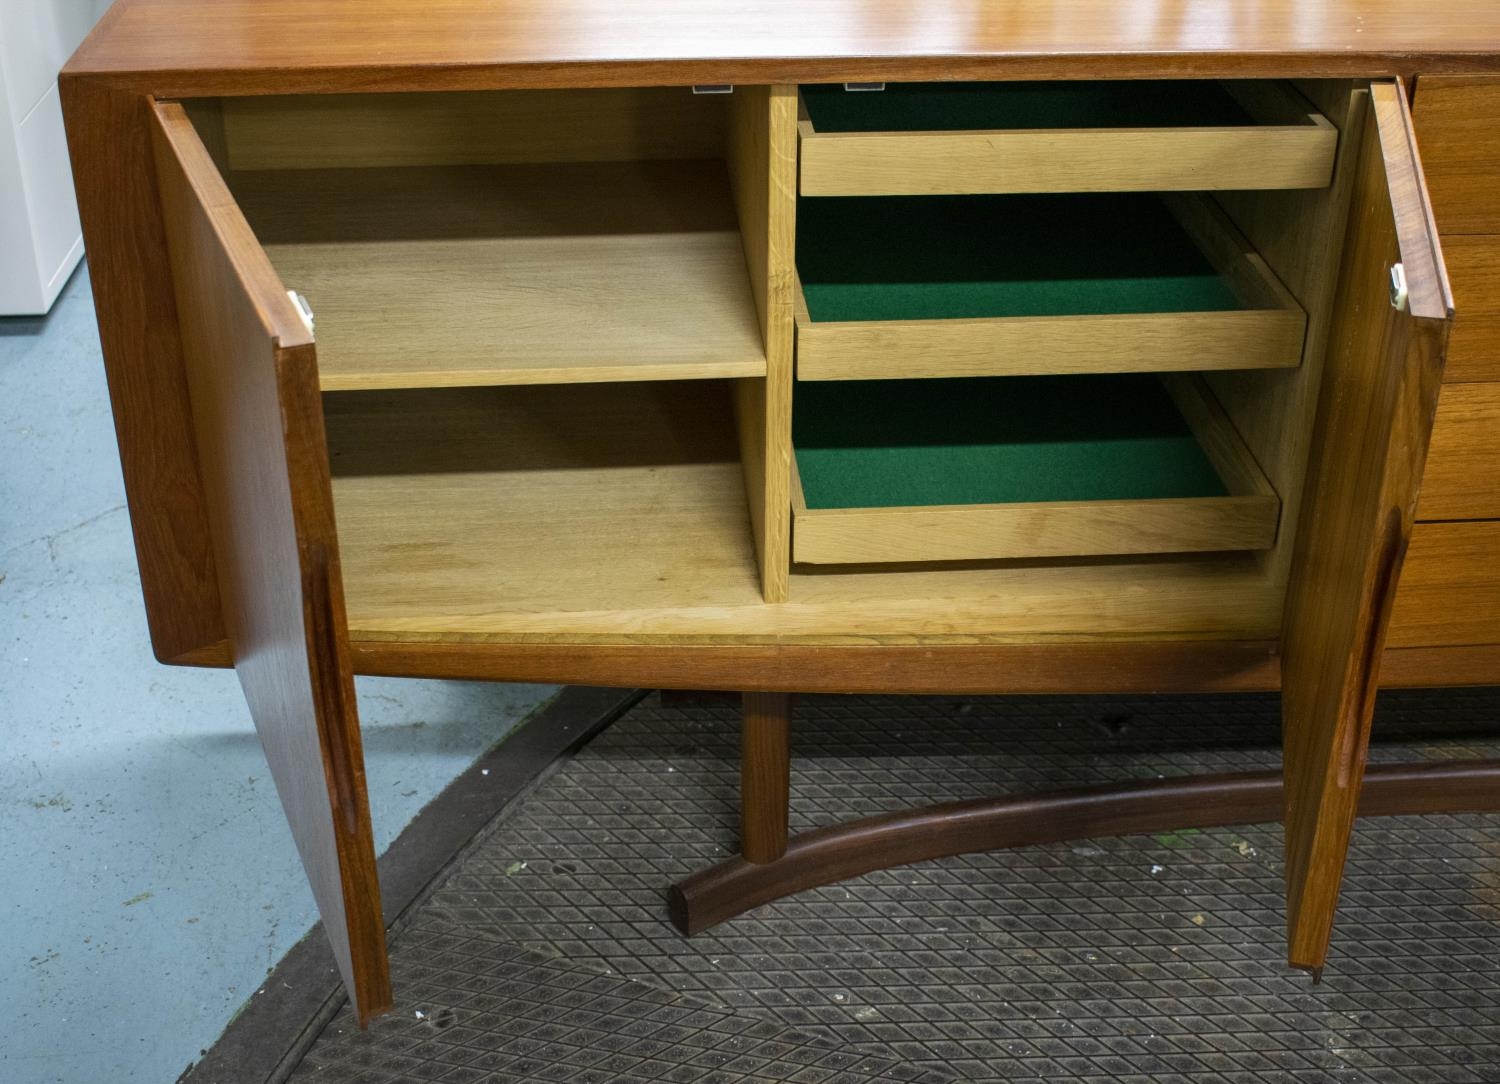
{"type": "Point", "coordinates": [1011, 285]}
{"type": "Point", "coordinates": [1474, 349]}
{"type": "Point", "coordinates": [1449, 594]}
{"type": "Point", "coordinates": [1455, 118]}
{"type": "Point", "coordinates": [959, 138]}
{"type": "Point", "coordinates": [889, 471]}
{"type": "Point", "coordinates": [1461, 479]}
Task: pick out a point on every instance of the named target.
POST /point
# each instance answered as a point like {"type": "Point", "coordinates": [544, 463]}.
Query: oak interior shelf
{"type": "Point", "coordinates": [964, 138]}
{"type": "Point", "coordinates": [603, 498]}
{"type": "Point", "coordinates": [1008, 285]}
{"type": "Point", "coordinates": [617, 514]}
{"type": "Point", "coordinates": [548, 498]}
{"type": "Point", "coordinates": [1025, 467]}
{"type": "Point", "coordinates": [432, 276]}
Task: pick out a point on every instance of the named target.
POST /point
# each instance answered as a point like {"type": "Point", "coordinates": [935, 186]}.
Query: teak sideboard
{"type": "Point", "coordinates": [870, 345]}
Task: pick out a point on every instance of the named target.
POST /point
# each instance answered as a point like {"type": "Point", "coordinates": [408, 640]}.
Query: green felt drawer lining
{"type": "Point", "coordinates": [994, 440]}
{"type": "Point", "coordinates": [952, 257]}
{"type": "Point", "coordinates": [911, 107]}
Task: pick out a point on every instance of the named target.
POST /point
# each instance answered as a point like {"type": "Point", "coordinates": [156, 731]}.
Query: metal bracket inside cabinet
{"type": "Point", "coordinates": [864, 86]}
{"type": "Point", "coordinates": [713, 88]}
{"type": "Point", "coordinates": [1398, 287]}
{"type": "Point", "coordinates": [304, 310]}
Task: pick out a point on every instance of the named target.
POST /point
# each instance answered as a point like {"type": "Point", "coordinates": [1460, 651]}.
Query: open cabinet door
{"type": "Point", "coordinates": [1379, 395]}
{"type": "Point", "coordinates": [257, 411]}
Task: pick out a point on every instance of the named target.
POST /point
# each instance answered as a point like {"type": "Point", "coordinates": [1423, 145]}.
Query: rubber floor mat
{"type": "Point", "coordinates": [547, 954]}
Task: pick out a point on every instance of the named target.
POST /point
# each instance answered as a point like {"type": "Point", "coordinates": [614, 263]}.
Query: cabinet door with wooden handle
{"type": "Point", "coordinates": [257, 410]}
{"type": "Point", "coordinates": [1378, 399]}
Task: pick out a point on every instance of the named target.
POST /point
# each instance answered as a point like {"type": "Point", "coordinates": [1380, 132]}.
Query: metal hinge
{"type": "Point", "coordinates": [864, 86]}
{"type": "Point", "coordinates": [1398, 287]}
{"type": "Point", "coordinates": [713, 88]}
{"type": "Point", "coordinates": [304, 310]}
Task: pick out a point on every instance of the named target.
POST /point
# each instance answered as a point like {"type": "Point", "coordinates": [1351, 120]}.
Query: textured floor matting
{"type": "Point", "coordinates": [547, 954]}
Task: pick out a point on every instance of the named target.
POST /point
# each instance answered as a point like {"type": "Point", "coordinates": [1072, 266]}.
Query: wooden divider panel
{"type": "Point", "coordinates": [763, 170]}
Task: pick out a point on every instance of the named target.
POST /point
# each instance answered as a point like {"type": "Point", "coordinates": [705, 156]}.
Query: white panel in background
{"type": "Point", "coordinates": [48, 182]}
{"type": "Point", "coordinates": [39, 238]}
{"type": "Point", "coordinates": [20, 290]}
{"type": "Point", "coordinates": [36, 38]}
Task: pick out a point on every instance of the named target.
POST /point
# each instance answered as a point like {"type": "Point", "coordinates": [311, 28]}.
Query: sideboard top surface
{"type": "Point", "coordinates": [186, 47]}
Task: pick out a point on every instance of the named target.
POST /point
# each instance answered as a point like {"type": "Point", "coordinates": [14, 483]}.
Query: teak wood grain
{"type": "Point", "coordinates": [1474, 267]}
{"type": "Point", "coordinates": [109, 139]}
{"type": "Point", "coordinates": [1450, 591]}
{"type": "Point", "coordinates": [1290, 145]}
{"type": "Point", "coordinates": [185, 47]}
{"type": "Point", "coordinates": [1379, 395]}
{"type": "Point", "coordinates": [258, 414]}
{"type": "Point", "coordinates": [837, 852]}
{"type": "Point", "coordinates": [1456, 130]}
{"type": "Point", "coordinates": [1436, 667]}
{"type": "Point", "coordinates": [765, 775]}
{"type": "Point", "coordinates": [1206, 665]}
{"type": "Point", "coordinates": [1215, 665]}
{"type": "Point", "coordinates": [1462, 477]}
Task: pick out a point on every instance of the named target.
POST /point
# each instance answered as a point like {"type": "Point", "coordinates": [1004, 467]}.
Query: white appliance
{"type": "Point", "coordinates": [40, 243]}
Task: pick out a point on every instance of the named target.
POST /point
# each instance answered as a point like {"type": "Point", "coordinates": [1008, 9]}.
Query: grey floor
{"type": "Point", "coordinates": [546, 954]}
{"type": "Point", "coordinates": [147, 879]}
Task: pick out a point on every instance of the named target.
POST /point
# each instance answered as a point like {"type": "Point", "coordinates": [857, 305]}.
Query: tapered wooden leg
{"type": "Point", "coordinates": [765, 776]}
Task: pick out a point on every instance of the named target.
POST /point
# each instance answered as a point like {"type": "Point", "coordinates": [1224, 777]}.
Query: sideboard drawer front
{"type": "Point", "coordinates": [891, 472]}
{"type": "Point", "coordinates": [955, 286]}
{"type": "Point", "coordinates": [1474, 269]}
{"type": "Point", "coordinates": [969, 138]}
{"type": "Point", "coordinates": [1462, 476]}
{"type": "Point", "coordinates": [1450, 587]}
{"type": "Point", "coordinates": [1457, 130]}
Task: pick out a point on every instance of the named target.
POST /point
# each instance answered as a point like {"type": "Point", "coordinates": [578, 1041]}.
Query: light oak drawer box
{"type": "Point", "coordinates": [990, 469]}
{"type": "Point", "coordinates": [901, 287]}
{"type": "Point", "coordinates": [967, 138]}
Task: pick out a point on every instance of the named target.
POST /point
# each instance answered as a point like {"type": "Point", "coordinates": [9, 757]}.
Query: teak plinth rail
{"type": "Point", "coordinates": [838, 852]}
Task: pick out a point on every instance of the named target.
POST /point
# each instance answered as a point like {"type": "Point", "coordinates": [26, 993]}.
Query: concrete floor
{"type": "Point", "coordinates": [147, 878]}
